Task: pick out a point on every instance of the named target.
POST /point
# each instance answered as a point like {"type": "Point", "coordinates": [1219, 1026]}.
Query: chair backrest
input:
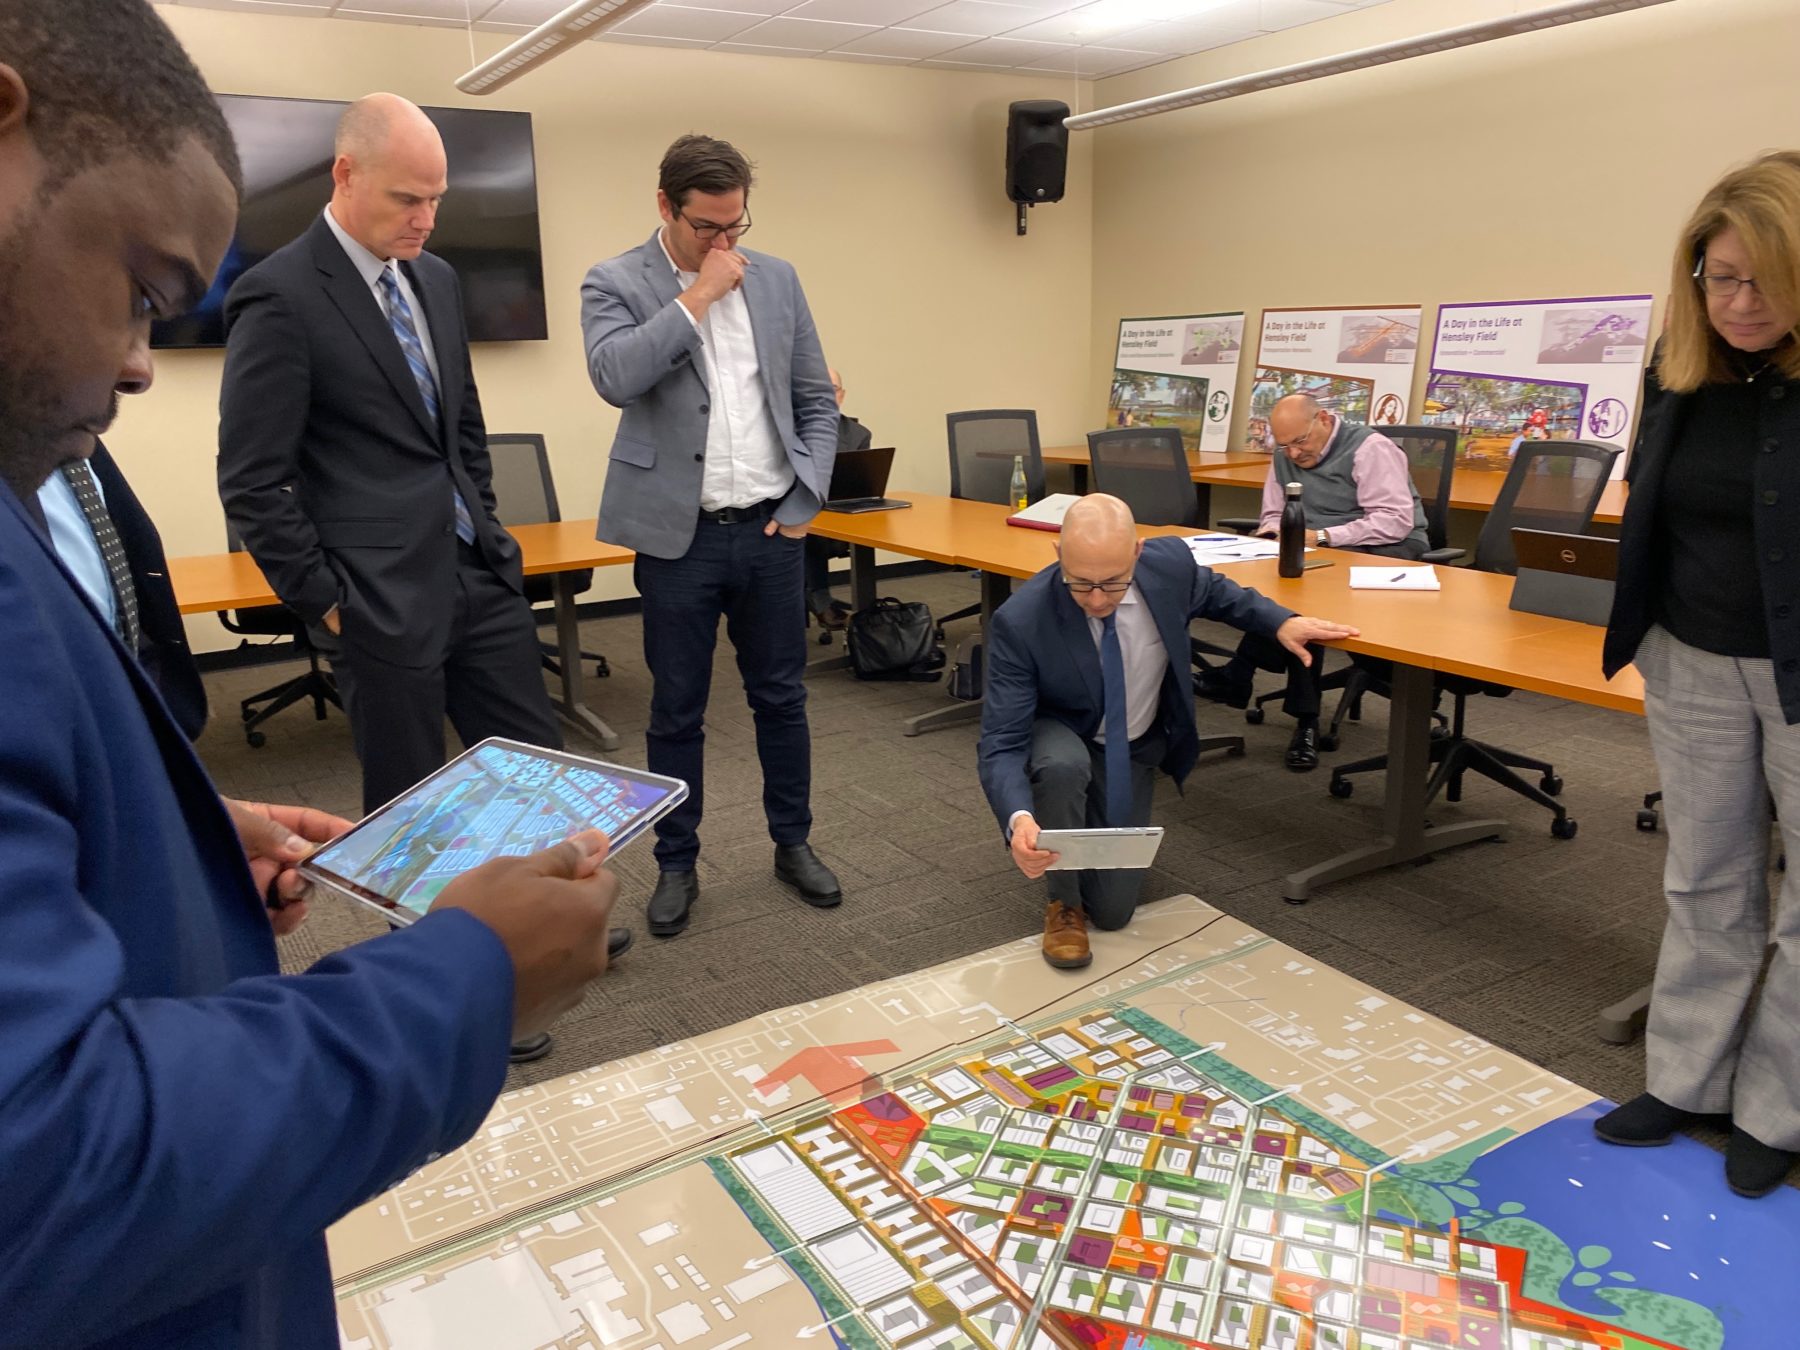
{"type": "Point", "coordinates": [260, 620]}
{"type": "Point", "coordinates": [982, 446]}
{"type": "Point", "coordinates": [1552, 485]}
{"type": "Point", "coordinates": [524, 491]}
{"type": "Point", "coordinates": [1431, 454]}
{"type": "Point", "coordinates": [1147, 469]}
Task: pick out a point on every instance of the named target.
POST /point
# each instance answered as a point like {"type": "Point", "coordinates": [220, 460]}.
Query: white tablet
{"type": "Point", "coordinates": [497, 799]}
{"type": "Point", "coordinates": [1084, 849]}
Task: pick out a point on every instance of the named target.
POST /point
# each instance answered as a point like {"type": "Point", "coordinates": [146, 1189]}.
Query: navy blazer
{"type": "Point", "coordinates": [178, 1121]}
{"type": "Point", "coordinates": [1042, 662]}
{"type": "Point", "coordinates": [1776, 525]}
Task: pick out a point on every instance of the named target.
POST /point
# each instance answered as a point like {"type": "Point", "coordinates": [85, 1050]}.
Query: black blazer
{"type": "Point", "coordinates": [330, 469]}
{"type": "Point", "coordinates": [1777, 528]}
{"type": "Point", "coordinates": [162, 645]}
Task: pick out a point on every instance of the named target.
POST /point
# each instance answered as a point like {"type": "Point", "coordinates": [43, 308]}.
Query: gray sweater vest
{"type": "Point", "coordinates": [1328, 491]}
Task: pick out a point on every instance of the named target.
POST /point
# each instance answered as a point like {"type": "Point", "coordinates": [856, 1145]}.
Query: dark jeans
{"type": "Point", "coordinates": [1302, 697]}
{"type": "Point", "coordinates": [489, 681]}
{"type": "Point", "coordinates": [752, 580]}
{"type": "Point", "coordinates": [1068, 792]}
{"type": "Point", "coordinates": [819, 553]}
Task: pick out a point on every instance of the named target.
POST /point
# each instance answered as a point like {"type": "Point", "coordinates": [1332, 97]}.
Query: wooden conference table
{"type": "Point", "coordinates": [219, 581]}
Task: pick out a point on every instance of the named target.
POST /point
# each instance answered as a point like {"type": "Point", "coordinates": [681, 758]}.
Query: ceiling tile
{"type": "Point", "coordinates": [306, 10]}
{"type": "Point", "coordinates": [755, 49]}
{"type": "Point", "coordinates": [641, 40]}
{"type": "Point", "coordinates": [1007, 52]}
{"type": "Point", "coordinates": [752, 6]}
{"type": "Point", "coordinates": [940, 63]}
{"type": "Point", "coordinates": [1070, 27]}
{"type": "Point", "coordinates": [865, 57]}
{"type": "Point", "coordinates": [810, 35]}
{"type": "Point", "coordinates": [457, 11]}
{"type": "Point", "coordinates": [389, 16]}
{"type": "Point", "coordinates": [1094, 61]}
{"type": "Point", "coordinates": [861, 11]}
{"type": "Point", "coordinates": [977, 18]}
{"type": "Point", "coordinates": [910, 43]}
{"type": "Point", "coordinates": [531, 12]}
{"type": "Point", "coordinates": [680, 21]}
{"type": "Point", "coordinates": [1278, 14]}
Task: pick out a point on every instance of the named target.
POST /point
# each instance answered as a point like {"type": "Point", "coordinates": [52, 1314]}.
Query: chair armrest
{"type": "Point", "coordinates": [1240, 524]}
{"type": "Point", "coordinates": [1444, 555]}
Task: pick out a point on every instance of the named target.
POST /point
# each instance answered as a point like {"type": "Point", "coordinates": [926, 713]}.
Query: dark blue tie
{"type": "Point", "coordinates": [1118, 734]}
{"type": "Point", "coordinates": [400, 319]}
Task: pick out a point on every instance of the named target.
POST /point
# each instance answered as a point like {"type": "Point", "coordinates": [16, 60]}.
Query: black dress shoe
{"type": "Point", "coordinates": [799, 867]}
{"type": "Point", "coordinates": [1752, 1168]}
{"type": "Point", "coordinates": [618, 942]}
{"type": "Point", "coordinates": [1303, 748]}
{"type": "Point", "coordinates": [667, 913]}
{"type": "Point", "coordinates": [530, 1049]}
{"type": "Point", "coordinates": [1643, 1122]}
{"type": "Point", "coordinates": [1215, 685]}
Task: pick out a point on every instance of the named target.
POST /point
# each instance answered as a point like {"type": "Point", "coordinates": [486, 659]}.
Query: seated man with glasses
{"type": "Point", "coordinates": [1090, 691]}
{"type": "Point", "coordinates": [1358, 493]}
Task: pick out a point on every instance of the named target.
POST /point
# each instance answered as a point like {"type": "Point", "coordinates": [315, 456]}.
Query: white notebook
{"type": "Point", "coordinates": [1394, 578]}
{"type": "Point", "coordinates": [1046, 513]}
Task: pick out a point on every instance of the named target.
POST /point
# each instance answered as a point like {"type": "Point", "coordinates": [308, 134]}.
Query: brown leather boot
{"type": "Point", "coordinates": [1065, 937]}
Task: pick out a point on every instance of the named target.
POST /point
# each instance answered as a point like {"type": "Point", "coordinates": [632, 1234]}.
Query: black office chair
{"type": "Point", "coordinates": [1552, 485]}
{"type": "Point", "coordinates": [983, 444]}
{"type": "Point", "coordinates": [278, 621]}
{"type": "Point", "coordinates": [525, 494]}
{"type": "Point", "coordinates": [1147, 469]}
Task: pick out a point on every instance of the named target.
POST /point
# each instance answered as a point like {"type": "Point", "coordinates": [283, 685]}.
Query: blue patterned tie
{"type": "Point", "coordinates": [1118, 733]}
{"type": "Point", "coordinates": [400, 319]}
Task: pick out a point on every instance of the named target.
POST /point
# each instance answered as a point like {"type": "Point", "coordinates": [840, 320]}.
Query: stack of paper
{"type": "Point", "coordinates": [1209, 549]}
{"type": "Point", "coordinates": [1394, 578]}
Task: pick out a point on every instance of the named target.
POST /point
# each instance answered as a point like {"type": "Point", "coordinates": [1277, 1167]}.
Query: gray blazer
{"type": "Point", "coordinates": [642, 356]}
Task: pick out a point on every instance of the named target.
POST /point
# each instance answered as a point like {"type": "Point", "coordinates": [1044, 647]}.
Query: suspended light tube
{"type": "Point", "coordinates": [553, 37]}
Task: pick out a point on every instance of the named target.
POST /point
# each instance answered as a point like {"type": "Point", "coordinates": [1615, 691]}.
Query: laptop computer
{"type": "Point", "coordinates": [1567, 576]}
{"type": "Point", "coordinates": [859, 477]}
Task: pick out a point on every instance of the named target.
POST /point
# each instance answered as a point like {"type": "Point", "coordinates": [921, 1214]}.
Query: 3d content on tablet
{"type": "Point", "coordinates": [1080, 850]}
{"type": "Point", "coordinates": [498, 799]}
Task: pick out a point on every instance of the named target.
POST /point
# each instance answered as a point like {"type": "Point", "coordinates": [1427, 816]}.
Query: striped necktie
{"type": "Point", "coordinates": [80, 479]}
{"type": "Point", "coordinates": [400, 319]}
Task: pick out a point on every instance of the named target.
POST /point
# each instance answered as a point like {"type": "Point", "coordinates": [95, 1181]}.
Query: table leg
{"type": "Point", "coordinates": [1405, 837]}
{"type": "Point", "coordinates": [1078, 479]}
{"type": "Point", "coordinates": [1624, 1021]}
{"type": "Point", "coordinates": [862, 595]}
{"type": "Point", "coordinates": [995, 590]}
{"type": "Point", "coordinates": [568, 647]}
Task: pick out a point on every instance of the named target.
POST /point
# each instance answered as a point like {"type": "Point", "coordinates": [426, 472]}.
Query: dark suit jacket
{"type": "Point", "coordinates": [331, 471]}
{"type": "Point", "coordinates": [178, 1122]}
{"type": "Point", "coordinates": [852, 434]}
{"type": "Point", "coordinates": [1777, 528]}
{"type": "Point", "coordinates": [163, 647]}
{"type": "Point", "coordinates": [1042, 662]}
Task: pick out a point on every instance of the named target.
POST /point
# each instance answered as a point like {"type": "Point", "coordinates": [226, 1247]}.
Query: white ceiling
{"type": "Point", "coordinates": [1091, 39]}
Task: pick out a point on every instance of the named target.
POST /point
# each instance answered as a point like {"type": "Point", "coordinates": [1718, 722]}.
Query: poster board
{"type": "Point", "coordinates": [1503, 371]}
{"type": "Point", "coordinates": [1178, 371]}
{"type": "Point", "coordinates": [1357, 362]}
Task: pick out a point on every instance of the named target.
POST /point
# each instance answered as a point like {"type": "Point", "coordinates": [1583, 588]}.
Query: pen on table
{"type": "Point", "coordinates": [1398, 576]}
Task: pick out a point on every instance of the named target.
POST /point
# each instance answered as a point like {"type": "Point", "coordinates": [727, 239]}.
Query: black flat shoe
{"type": "Point", "coordinates": [531, 1049]}
{"type": "Point", "coordinates": [1209, 684]}
{"type": "Point", "coordinates": [667, 913]}
{"type": "Point", "coordinates": [1643, 1122]}
{"type": "Point", "coordinates": [1303, 748]}
{"type": "Point", "coordinates": [799, 867]}
{"type": "Point", "coordinates": [1752, 1168]}
{"type": "Point", "coordinates": [618, 942]}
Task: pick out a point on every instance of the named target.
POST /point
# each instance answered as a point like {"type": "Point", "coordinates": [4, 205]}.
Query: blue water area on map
{"type": "Point", "coordinates": [1667, 1217]}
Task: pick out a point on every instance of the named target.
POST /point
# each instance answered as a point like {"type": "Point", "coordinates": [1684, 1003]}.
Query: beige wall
{"type": "Point", "coordinates": [883, 186]}
{"type": "Point", "coordinates": [1561, 163]}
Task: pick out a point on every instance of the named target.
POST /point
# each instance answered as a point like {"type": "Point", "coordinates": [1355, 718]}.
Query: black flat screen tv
{"type": "Point", "coordinates": [487, 226]}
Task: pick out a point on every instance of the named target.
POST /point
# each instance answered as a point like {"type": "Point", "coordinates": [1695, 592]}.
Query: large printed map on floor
{"type": "Point", "coordinates": [1205, 1139]}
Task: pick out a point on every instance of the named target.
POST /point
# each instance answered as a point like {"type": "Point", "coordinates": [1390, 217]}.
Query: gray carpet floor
{"type": "Point", "coordinates": [1519, 942]}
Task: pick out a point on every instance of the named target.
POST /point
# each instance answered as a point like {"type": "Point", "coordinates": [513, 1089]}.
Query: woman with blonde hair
{"type": "Point", "coordinates": [1708, 605]}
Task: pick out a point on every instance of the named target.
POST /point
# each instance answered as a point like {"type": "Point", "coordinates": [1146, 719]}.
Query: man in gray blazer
{"type": "Point", "coordinates": [723, 455]}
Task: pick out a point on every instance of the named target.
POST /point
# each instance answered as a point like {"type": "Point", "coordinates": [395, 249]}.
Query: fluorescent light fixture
{"type": "Point", "coordinates": [1530, 21]}
{"type": "Point", "coordinates": [553, 37]}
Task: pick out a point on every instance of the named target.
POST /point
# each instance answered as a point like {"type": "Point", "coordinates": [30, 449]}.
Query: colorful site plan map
{"type": "Point", "coordinates": [1204, 1140]}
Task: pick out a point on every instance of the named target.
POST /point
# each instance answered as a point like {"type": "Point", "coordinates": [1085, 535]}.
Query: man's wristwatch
{"type": "Point", "coordinates": [1319, 540]}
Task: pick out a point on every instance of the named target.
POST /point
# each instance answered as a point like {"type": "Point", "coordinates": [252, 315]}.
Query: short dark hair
{"type": "Point", "coordinates": [698, 164]}
{"type": "Point", "coordinates": [108, 79]}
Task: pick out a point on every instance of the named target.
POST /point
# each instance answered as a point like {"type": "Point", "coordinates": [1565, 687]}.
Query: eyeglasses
{"type": "Point", "coordinates": [1297, 442]}
{"type": "Point", "coordinates": [1104, 587]}
{"type": "Point", "coordinates": [1719, 285]}
{"type": "Point", "coordinates": [707, 231]}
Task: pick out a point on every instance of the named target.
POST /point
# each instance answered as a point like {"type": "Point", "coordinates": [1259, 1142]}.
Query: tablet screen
{"type": "Point", "coordinates": [498, 799]}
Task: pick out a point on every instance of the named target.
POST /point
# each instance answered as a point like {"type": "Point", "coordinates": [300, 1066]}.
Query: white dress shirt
{"type": "Point", "coordinates": [73, 539]}
{"type": "Point", "coordinates": [746, 462]}
{"type": "Point", "coordinates": [370, 268]}
{"type": "Point", "coordinates": [1146, 661]}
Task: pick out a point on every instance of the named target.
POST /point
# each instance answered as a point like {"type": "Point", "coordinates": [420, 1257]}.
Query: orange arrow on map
{"type": "Point", "coordinates": [834, 1070]}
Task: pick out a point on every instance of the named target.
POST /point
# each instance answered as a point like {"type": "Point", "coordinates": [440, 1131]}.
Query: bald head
{"type": "Point", "coordinates": [1300, 428]}
{"type": "Point", "coordinates": [837, 384]}
{"type": "Point", "coordinates": [1098, 542]}
{"type": "Point", "coordinates": [388, 176]}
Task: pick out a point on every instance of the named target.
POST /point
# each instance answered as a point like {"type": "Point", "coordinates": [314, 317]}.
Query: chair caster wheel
{"type": "Point", "coordinates": [1340, 787]}
{"type": "Point", "coordinates": [1328, 742]}
{"type": "Point", "coordinates": [1647, 821]}
{"type": "Point", "coordinates": [1552, 784]}
{"type": "Point", "coordinates": [1563, 827]}
{"type": "Point", "coordinates": [1254, 716]}
{"type": "Point", "coordinates": [256, 739]}
{"type": "Point", "coordinates": [824, 639]}
{"type": "Point", "coordinates": [602, 670]}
